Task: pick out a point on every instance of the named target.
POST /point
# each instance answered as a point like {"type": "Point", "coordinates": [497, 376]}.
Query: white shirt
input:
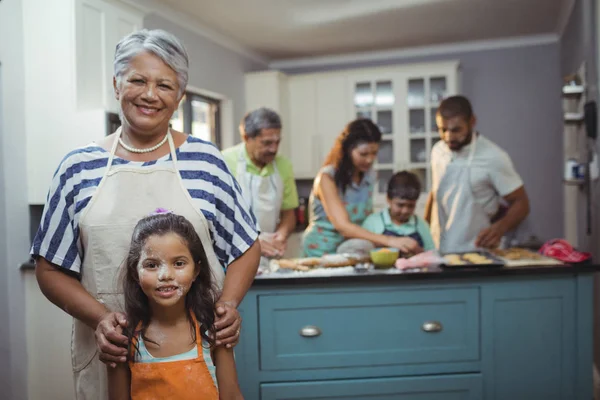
{"type": "Point", "coordinates": [492, 173]}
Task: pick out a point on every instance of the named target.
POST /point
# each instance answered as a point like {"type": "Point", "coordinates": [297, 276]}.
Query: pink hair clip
{"type": "Point", "coordinates": [160, 210]}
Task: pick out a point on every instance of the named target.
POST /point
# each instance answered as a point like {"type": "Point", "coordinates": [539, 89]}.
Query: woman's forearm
{"type": "Point", "coordinates": [353, 231]}
{"type": "Point", "coordinates": [68, 293]}
{"type": "Point", "coordinates": [240, 275]}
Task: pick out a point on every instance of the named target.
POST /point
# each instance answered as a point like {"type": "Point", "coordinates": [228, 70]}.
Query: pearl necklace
{"type": "Point", "coordinates": [148, 150]}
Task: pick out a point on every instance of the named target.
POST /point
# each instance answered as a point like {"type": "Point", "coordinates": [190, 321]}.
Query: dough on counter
{"type": "Point", "coordinates": [292, 264]}
{"type": "Point", "coordinates": [310, 261]}
{"type": "Point", "coordinates": [336, 260]}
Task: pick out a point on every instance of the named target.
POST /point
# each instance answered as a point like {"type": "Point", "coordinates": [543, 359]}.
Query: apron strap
{"type": "Point", "coordinates": [473, 146]}
{"type": "Point", "coordinates": [172, 148]}
{"type": "Point", "coordinates": [113, 150]}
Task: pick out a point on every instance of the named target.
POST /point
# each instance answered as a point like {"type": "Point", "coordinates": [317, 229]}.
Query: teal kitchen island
{"type": "Point", "coordinates": [494, 334]}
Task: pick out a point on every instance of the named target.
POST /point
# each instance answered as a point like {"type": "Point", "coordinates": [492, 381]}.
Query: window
{"type": "Point", "coordinates": [200, 116]}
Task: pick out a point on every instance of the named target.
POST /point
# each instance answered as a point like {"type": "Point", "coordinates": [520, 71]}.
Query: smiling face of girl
{"type": "Point", "coordinates": [166, 270]}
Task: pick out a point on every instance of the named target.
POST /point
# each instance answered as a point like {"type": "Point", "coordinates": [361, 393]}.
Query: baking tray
{"type": "Point", "coordinates": [495, 262]}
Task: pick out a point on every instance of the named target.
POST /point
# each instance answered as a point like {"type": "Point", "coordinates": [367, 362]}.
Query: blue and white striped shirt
{"type": "Point", "coordinates": [204, 174]}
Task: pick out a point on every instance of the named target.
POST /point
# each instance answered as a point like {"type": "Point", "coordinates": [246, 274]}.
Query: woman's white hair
{"type": "Point", "coordinates": [158, 42]}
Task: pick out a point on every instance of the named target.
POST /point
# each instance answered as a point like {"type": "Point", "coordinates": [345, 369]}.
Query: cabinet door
{"type": "Point", "coordinates": [450, 387]}
{"type": "Point", "coordinates": [332, 111]}
{"type": "Point", "coordinates": [528, 331]}
{"type": "Point", "coordinates": [99, 26]}
{"type": "Point", "coordinates": [269, 89]}
{"type": "Point", "coordinates": [304, 137]}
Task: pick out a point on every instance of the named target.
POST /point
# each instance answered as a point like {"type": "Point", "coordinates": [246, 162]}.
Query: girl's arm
{"type": "Point", "coordinates": [338, 216]}
{"type": "Point", "coordinates": [119, 382]}
{"type": "Point", "coordinates": [229, 388]}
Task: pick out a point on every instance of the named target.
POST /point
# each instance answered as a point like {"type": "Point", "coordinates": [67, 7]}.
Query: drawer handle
{"type": "Point", "coordinates": [432, 326]}
{"type": "Point", "coordinates": [310, 331]}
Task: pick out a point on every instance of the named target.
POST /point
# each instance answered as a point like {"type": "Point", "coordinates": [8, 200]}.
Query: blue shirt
{"type": "Point", "coordinates": [381, 221]}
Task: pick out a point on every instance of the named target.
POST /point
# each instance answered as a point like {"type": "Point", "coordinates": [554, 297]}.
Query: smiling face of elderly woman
{"type": "Point", "coordinates": [151, 70]}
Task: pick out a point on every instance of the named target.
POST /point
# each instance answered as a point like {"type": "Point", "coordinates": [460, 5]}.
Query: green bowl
{"type": "Point", "coordinates": [384, 257]}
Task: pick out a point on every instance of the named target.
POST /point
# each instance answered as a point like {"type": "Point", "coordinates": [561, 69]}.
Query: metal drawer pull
{"type": "Point", "coordinates": [310, 331]}
{"type": "Point", "coordinates": [432, 326]}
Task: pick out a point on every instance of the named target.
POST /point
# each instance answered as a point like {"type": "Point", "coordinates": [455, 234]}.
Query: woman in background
{"type": "Point", "coordinates": [342, 196]}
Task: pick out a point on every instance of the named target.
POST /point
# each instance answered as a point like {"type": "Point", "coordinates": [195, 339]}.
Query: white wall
{"type": "Point", "coordinates": [50, 375]}
{"type": "Point", "coordinates": [14, 215]}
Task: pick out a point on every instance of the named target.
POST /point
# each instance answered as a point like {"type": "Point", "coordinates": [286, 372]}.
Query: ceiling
{"type": "Point", "coordinates": [283, 29]}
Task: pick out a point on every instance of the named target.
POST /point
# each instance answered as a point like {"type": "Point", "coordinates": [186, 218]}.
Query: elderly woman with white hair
{"type": "Point", "coordinates": [101, 190]}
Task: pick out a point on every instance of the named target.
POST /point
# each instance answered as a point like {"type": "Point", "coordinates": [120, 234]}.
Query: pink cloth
{"type": "Point", "coordinates": [562, 250]}
{"type": "Point", "coordinates": [422, 260]}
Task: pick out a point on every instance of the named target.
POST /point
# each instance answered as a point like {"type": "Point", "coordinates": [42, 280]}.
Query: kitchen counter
{"type": "Point", "coordinates": [349, 274]}
{"type": "Point", "coordinates": [490, 333]}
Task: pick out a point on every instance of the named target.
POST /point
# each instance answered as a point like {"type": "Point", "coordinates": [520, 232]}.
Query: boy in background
{"type": "Point", "coordinates": [403, 191]}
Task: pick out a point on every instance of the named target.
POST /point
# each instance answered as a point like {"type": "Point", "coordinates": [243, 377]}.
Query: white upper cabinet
{"type": "Point", "coordinates": [333, 113]}
{"type": "Point", "coordinates": [69, 46]}
{"type": "Point", "coordinates": [304, 137]}
{"type": "Point", "coordinates": [270, 89]}
{"type": "Point", "coordinates": [99, 26]}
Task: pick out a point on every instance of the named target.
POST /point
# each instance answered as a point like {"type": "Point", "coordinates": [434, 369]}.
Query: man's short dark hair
{"type": "Point", "coordinates": [404, 185]}
{"type": "Point", "coordinates": [455, 106]}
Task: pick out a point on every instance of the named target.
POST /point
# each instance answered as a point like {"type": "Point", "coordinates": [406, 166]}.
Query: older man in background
{"type": "Point", "coordinates": [266, 179]}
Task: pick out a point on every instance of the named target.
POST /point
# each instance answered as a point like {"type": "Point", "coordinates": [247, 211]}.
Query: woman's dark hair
{"type": "Point", "coordinates": [404, 185]}
{"type": "Point", "coordinates": [201, 298]}
{"type": "Point", "coordinates": [354, 134]}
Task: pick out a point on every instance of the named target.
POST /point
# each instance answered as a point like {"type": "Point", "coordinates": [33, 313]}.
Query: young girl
{"type": "Point", "coordinates": [169, 302]}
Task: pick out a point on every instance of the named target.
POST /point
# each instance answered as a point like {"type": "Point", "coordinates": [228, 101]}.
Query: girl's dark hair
{"type": "Point", "coordinates": [201, 298]}
{"type": "Point", "coordinates": [354, 134]}
{"type": "Point", "coordinates": [404, 185]}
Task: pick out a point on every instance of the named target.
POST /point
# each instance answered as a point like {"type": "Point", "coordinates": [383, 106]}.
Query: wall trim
{"type": "Point", "coordinates": [185, 21]}
{"type": "Point", "coordinates": [564, 15]}
{"type": "Point", "coordinates": [403, 53]}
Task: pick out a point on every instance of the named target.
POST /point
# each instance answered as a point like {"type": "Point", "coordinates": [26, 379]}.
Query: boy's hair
{"type": "Point", "coordinates": [404, 185]}
{"type": "Point", "coordinates": [201, 298]}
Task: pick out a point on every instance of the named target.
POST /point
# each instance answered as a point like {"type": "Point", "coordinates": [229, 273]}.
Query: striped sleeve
{"type": "Point", "coordinates": [57, 238]}
{"type": "Point", "coordinates": [219, 197]}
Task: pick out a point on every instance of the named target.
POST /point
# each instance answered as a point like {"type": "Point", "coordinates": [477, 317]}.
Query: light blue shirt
{"type": "Point", "coordinates": [381, 221]}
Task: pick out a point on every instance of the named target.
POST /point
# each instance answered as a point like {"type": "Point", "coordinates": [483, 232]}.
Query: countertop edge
{"type": "Point", "coordinates": [360, 277]}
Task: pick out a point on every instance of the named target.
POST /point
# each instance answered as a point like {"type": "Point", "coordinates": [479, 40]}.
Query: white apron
{"type": "Point", "coordinates": [264, 194]}
{"type": "Point", "coordinates": [126, 194]}
{"type": "Point", "coordinates": [457, 218]}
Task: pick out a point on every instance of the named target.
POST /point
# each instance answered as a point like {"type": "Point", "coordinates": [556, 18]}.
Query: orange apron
{"type": "Point", "coordinates": [181, 380]}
